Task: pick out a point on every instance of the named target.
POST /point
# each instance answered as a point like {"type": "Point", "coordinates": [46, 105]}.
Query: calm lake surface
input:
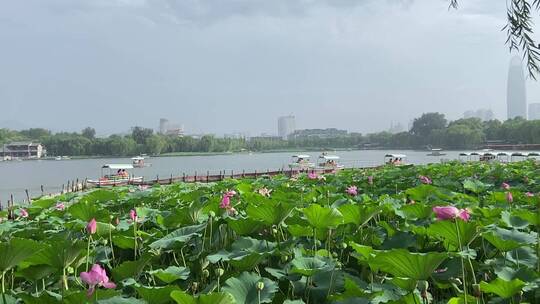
{"type": "Point", "coordinates": [16, 176]}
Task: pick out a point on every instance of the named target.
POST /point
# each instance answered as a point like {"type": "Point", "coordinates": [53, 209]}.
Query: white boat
{"type": "Point", "coordinates": [119, 178]}
{"type": "Point", "coordinates": [301, 162]}
{"type": "Point", "coordinates": [58, 158]}
{"type": "Point", "coordinates": [395, 159]}
{"type": "Point", "coordinates": [328, 162]}
{"type": "Point", "coordinates": [139, 162]}
{"type": "Point", "coordinates": [436, 152]}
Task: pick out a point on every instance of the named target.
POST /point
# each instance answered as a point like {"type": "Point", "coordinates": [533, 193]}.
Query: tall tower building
{"type": "Point", "coordinates": [534, 111]}
{"type": "Point", "coordinates": [163, 125]}
{"type": "Point", "coordinates": [516, 96]}
{"type": "Point", "coordinates": [286, 126]}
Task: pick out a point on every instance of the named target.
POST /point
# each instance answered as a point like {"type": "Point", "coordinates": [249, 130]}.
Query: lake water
{"type": "Point", "coordinates": [16, 176]}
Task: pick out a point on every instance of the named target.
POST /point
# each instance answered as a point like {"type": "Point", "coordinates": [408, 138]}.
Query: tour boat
{"type": "Point", "coordinates": [395, 159]}
{"type": "Point", "coordinates": [436, 152]}
{"type": "Point", "coordinates": [329, 162]}
{"type": "Point", "coordinates": [138, 162]}
{"type": "Point", "coordinates": [301, 162]}
{"type": "Point", "coordinates": [119, 178]}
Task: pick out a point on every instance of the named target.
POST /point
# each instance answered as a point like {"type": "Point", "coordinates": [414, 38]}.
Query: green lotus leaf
{"type": "Point", "coordinates": [405, 264]}
{"type": "Point", "coordinates": [506, 240]}
{"type": "Point", "coordinates": [17, 250]}
{"type": "Point", "coordinates": [244, 288]}
{"type": "Point", "coordinates": [180, 235]}
{"type": "Point", "coordinates": [448, 232]}
{"type": "Point", "coordinates": [502, 288]}
{"type": "Point", "coordinates": [131, 269]}
{"type": "Point", "coordinates": [211, 298]}
{"type": "Point", "coordinates": [157, 295]}
{"type": "Point", "coordinates": [323, 217]}
{"type": "Point", "coordinates": [270, 213]}
{"type": "Point", "coordinates": [171, 274]}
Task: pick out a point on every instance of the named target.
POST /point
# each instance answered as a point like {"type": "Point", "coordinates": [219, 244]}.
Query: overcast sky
{"type": "Point", "coordinates": [224, 66]}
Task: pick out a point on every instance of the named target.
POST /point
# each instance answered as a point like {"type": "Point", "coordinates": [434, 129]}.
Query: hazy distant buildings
{"type": "Point", "coordinates": [286, 126]}
{"type": "Point", "coordinates": [483, 114]}
{"type": "Point", "coordinates": [319, 133]}
{"type": "Point", "coordinates": [396, 128]}
{"type": "Point", "coordinates": [22, 150]}
{"type": "Point", "coordinates": [516, 96]}
{"type": "Point", "coordinates": [534, 111]}
{"type": "Point", "coordinates": [168, 128]}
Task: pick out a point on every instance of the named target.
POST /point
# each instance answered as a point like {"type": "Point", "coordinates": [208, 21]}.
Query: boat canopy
{"type": "Point", "coordinates": [464, 154]}
{"type": "Point", "coordinates": [396, 155]}
{"type": "Point", "coordinates": [503, 154]}
{"type": "Point", "coordinates": [329, 157]}
{"type": "Point", "coordinates": [117, 166]}
{"type": "Point", "coordinates": [533, 154]}
{"type": "Point", "coordinates": [301, 156]}
{"type": "Point", "coordinates": [137, 158]}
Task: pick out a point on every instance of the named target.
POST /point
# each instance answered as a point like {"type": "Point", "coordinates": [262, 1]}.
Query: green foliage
{"type": "Point", "coordinates": [307, 242]}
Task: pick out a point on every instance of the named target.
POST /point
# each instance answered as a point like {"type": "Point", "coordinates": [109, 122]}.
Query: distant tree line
{"type": "Point", "coordinates": [431, 129]}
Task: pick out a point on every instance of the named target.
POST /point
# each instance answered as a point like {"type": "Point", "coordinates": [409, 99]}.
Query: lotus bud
{"type": "Point", "coordinates": [205, 273]}
{"type": "Point", "coordinates": [343, 245]}
{"type": "Point", "coordinates": [212, 214]}
{"type": "Point", "coordinates": [220, 272]}
{"type": "Point", "coordinates": [284, 258]}
{"type": "Point", "coordinates": [260, 286]}
{"type": "Point", "coordinates": [339, 264]}
{"type": "Point", "coordinates": [476, 290]}
{"type": "Point", "coordinates": [194, 286]}
{"type": "Point", "coordinates": [334, 254]}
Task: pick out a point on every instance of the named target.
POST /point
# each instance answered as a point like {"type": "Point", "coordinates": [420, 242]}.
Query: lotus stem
{"type": "Point", "coordinates": [3, 284]}
{"type": "Point", "coordinates": [110, 240]}
{"type": "Point", "coordinates": [135, 239]}
{"type": "Point", "coordinates": [64, 279]}
{"type": "Point", "coordinates": [88, 252]}
{"type": "Point", "coordinates": [462, 262]}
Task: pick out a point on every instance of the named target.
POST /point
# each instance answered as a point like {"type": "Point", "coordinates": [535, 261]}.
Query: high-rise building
{"type": "Point", "coordinates": [286, 126]}
{"type": "Point", "coordinates": [163, 125]}
{"type": "Point", "coordinates": [483, 114]}
{"type": "Point", "coordinates": [516, 96]}
{"type": "Point", "coordinates": [534, 111]}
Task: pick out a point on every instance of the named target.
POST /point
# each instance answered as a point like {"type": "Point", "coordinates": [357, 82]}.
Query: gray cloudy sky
{"type": "Point", "coordinates": [236, 65]}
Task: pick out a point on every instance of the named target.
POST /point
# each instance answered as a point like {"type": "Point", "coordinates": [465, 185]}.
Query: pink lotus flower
{"type": "Point", "coordinates": [352, 190]}
{"type": "Point", "coordinates": [451, 212]}
{"type": "Point", "coordinates": [313, 175]}
{"type": "Point", "coordinates": [230, 193]}
{"type": "Point", "coordinates": [509, 197]}
{"type": "Point", "coordinates": [505, 186]}
{"type": "Point", "coordinates": [425, 180]}
{"type": "Point", "coordinates": [225, 202]}
{"type": "Point", "coordinates": [117, 221]}
{"type": "Point", "coordinates": [265, 192]}
{"type": "Point", "coordinates": [91, 227]}
{"type": "Point", "coordinates": [23, 213]}
{"type": "Point", "coordinates": [133, 215]}
{"type": "Point", "coordinates": [529, 194]}
{"type": "Point", "coordinates": [143, 187]}
{"type": "Point", "coordinates": [370, 179]}
{"type": "Point", "coordinates": [96, 277]}
{"type": "Point", "coordinates": [60, 206]}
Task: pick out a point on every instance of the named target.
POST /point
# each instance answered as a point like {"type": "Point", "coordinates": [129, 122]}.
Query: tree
{"type": "Point", "coordinates": [155, 144]}
{"type": "Point", "coordinates": [35, 133]}
{"type": "Point", "coordinates": [89, 133]}
{"type": "Point", "coordinates": [425, 124]}
{"type": "Point", "coordinates": [140, 134]}
{"type": "Point", "coordinates": [519, 31]}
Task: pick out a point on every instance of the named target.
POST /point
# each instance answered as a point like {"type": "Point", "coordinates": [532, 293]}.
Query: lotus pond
{"type": "Point", "coordinates": [442, 233]}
